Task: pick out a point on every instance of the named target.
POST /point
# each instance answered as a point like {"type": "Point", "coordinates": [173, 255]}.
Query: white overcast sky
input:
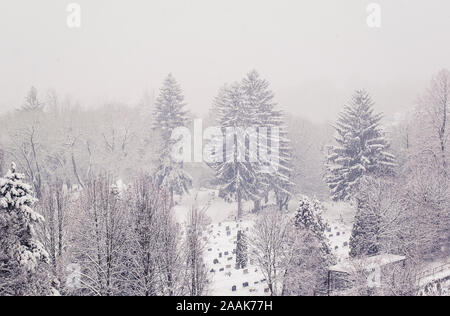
{"type": "Point", "coordinates": [314, 53]}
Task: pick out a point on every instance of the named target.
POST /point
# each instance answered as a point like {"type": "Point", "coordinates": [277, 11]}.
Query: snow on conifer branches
{"type": "Point", "coordinates": [361, 148]}
{"type": "Point", "coordinates": [170, 115]}
{"type": "Point", "coordinates": [21, 253]}
{"type": "Point", "coordinates": [247, 109]}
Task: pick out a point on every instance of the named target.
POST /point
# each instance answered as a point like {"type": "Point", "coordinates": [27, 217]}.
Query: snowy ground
{"type": "Point", "coordinates": [340, 217]}
{"type": "Point", "coordinates": [220, 257]}
{"type": "Point", "coordinates": [225, 279]}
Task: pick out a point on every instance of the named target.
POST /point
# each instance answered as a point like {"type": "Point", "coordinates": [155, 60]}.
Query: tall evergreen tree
{"type": "Point", "coordinates": [170, 114]}
{"type": "Point", "coordinates": [274, 174]}
{"type": "Point", "coordinates": [23, 259]}
{"type": "Point", "coordinates": [239, 177]}
{"type": "Point", "coordinates": [361, 148]}
{"type": "Point", "coordinates": [366, 233]}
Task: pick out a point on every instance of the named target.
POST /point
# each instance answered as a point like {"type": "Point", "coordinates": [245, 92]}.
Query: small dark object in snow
{"type": "Point", "coordinates": [216, 261]}
{"type": "Point", "coordinates": [245, 284]}
{"type": "Point", "coordinates": [234, 288]}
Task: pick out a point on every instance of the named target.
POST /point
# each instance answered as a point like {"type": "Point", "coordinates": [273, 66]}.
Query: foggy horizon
{"type": "Point", "coordinates": [314, 54]}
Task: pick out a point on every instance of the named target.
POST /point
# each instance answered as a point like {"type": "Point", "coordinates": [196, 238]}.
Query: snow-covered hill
{"type": "Point", "coordinates": [221, 238]}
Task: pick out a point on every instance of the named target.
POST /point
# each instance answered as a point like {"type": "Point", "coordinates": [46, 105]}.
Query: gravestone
{"type": "Point", "coordinates": [234, 288]}
{"type": "Point", "coordinates": [245, 284]}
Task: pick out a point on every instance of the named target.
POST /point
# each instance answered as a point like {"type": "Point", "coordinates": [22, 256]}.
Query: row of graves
{"type": "Point", "coordinates": [339, 237]}
{"type": "Point", "coordinates": [230, 270]}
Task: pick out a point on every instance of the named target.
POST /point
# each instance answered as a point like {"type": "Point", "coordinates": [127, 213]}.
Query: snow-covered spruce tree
{"type": "Point", "coordinates": [307, 273]}
{"type": "Point", "coordinates": [364, 240]}
{"type": "Point", "coordinates": [24, 263]}
{"type": "Point", "coordinates": [276, 173]}
{"type": "Point", "coordinates": [361, 148]}
{"type": "Point", "coordinates": [309, 216]}
{"type": "Point", "coordinates": [239, 178]}
{"type": "Point", "coordinates": [170, 114]}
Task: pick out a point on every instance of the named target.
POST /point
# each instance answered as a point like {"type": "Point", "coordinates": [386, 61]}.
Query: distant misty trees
{"type": "Point", "coordinates": [361, 148]}
{"type": "Point", "coordinates": [433, 111]}
{"type": "Point", "coordinates": [32, 103]}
